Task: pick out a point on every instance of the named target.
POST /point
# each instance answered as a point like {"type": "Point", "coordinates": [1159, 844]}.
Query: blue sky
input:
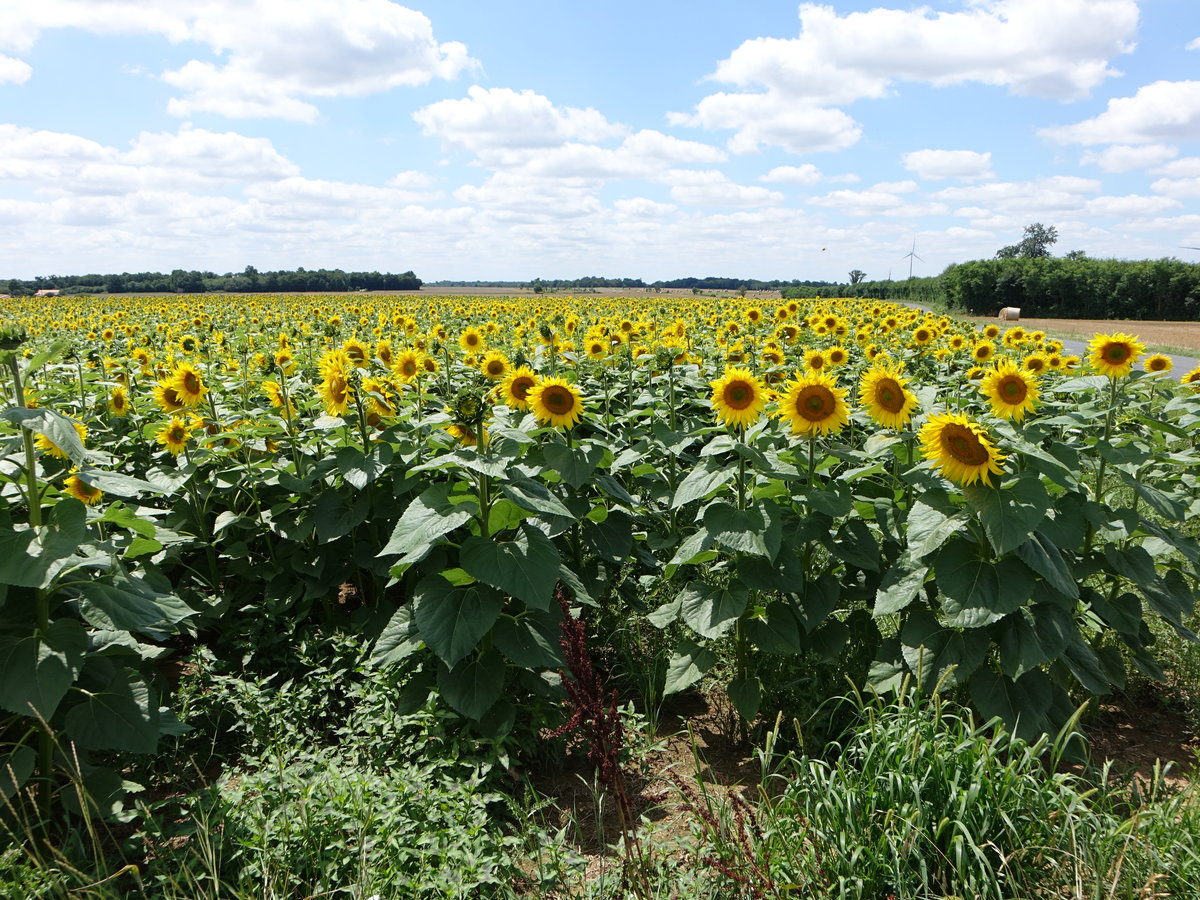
{"type": "Point", "coordinates": [507, 140]}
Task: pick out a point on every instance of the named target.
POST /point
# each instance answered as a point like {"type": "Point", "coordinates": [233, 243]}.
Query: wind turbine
{"type": "Point", "coordinates": [910, 256]}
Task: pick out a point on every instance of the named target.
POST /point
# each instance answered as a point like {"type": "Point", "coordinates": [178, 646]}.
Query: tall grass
{"type": "Point", "coordinates": [921, 802]}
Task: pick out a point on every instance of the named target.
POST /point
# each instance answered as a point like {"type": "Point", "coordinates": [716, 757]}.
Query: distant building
{"type": "Point", "coordinates": [47, 292]}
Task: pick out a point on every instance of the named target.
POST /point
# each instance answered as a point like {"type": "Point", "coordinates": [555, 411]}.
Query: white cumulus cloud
{"type": "Point", "coordinates": [1159, 112]}
{"type": "Point", "coordinates": [964, 165]}
{"type": "Point", "coordinates": [710, 187]}
{"type": "Point", "coordinates": [1181, 188]}
{"type": "Point", "coordinates": [14, 71]}
{"type": "Point", "coordinates": [491, 119]}
{"type": "Point", "coordinates": [273, 56]}
{"type": "Point", "coordinates": [805, 174]}
{"type": "Point", "coordinates": [1127, 158]}
{"type": "Point", "coordinates": [789, 85]}
{"type": "Point", "coordinates": [1180, 168]}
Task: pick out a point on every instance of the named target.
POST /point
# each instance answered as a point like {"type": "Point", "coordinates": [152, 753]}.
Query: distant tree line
{"type": "Point", "coordinates": [915, 290]}
{"type": "Point", "coordinates": [588, 281]}
{"type": "Point", "coordinates": [1070, 287]}
{"type": "Point", "coordinates": [1076, 287]}
{"type": "Point", "coordinates": [248, 281]}
{"type": "Point", "coordinates": [712, 283]}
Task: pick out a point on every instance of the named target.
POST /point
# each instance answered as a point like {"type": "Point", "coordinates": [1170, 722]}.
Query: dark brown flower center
{"type": "Point", "coordinates": [964, 445]}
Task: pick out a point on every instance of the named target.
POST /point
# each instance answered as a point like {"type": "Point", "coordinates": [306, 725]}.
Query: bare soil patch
{"type": "Point", "coordinates": [1184, 335]}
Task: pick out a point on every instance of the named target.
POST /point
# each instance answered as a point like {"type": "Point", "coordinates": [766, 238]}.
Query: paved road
{"type": "Point", "coordinates": [1182, 364]}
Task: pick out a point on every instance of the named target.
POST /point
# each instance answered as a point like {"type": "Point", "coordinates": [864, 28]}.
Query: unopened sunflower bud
{"type": "Point", "coordinates": [12, 334]}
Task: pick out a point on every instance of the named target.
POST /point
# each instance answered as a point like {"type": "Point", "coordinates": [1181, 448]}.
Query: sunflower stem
{"type": "Point", "coordinates": [82, 396]}
{"type": "Point", "coordinates": [741, 480]}
{"type": "Point", "coordinates": [1098, 493]}
{"type": "Point", "coordinates": [812, 461]}
{"type": "Point", "coordinates": [1108, 423]}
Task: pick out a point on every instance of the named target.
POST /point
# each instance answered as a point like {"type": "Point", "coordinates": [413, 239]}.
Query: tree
{"type": "Point", "coordinates": [857, 275]}
{"type": "Point", "coordinates": [1034, 245]}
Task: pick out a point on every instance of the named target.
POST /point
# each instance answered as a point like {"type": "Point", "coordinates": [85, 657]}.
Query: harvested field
{"type": "Point", "coordinates": [1183, 335]}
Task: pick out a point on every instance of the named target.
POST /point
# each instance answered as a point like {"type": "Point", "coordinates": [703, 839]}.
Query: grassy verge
{"type": "Point", "coordinates": [342, 784]}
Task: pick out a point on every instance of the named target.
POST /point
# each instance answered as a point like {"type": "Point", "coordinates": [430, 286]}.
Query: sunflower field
{"type": "Point", "coordinates": [961, 509]}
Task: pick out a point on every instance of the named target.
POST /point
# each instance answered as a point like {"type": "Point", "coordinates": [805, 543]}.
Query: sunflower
{"type": "Point", "coordinates": [118, 401]}
{"type": "Point", "coordinates": [1157, 362]}
{"type": "Point", "coordinates": [285, 361]}
{"type": "Point", "coordinates": [463, 434]}
{"type": "Point", "coordinates": [1012, 391]}
{"type": "Point", "coordinates": [516, 388]}
{"type": "Point", "coordinates": [82, 491]}
{"type": "Point", "coordinates": [356, 350]}
{"type": "Point", "coordinates": [1114, 354]}
{"type": "Point", "coordinates": [597, 347]}
{"type": "Point", "coordinates": [383, 352]}
{"type": "Point", "coordinates": [174, 435]}
{"type": "Point", "coordinates": [815, 360]}
{"type": "Point", "coordinates": [1192, 377]}
{"type": "Point", "coordinates": [336, 391]}
{"type": "Point", "coordinates": [837, 356]}
{"type": "Point", "coordinates": [960, 448]}
{"type": "Point", "coordinates": [813, 405]}
{"type": "Point", "coordinates": [471, 340]}
{"type": "Point", "coordinates": [1036, 362]}
{"type": "Point", "coordinates": [922, 335]}
{"type": "Point", "coordinates": [274, 392]}
{"type": "Point", "coordinates": [495, 365]}
{"type": "Point", "coordinates": [738, 397]}
{"type": "Point", "coordinates": [983, 351]}
{"type": "Point", "coordinates": [884, 392]}
{"type": "Point", "coordinates": [378, 397]}
{"type": "Point", "coordinates": [166, 396]}
{"type": "Point", "coordinates": [555, 402]}
{"type": "Point", "coordinates": [46, 445]}
{"type": "Point", "coordinates": [408, 364]}
{"type": "Point", "coordinates": [189, 386]}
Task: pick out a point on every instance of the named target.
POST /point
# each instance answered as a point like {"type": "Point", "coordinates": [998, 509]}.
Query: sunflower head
{"type": "Point", "coordinates": [516, 388]}
{"type": "Point", "coordinates": [960, 448]}
{"type": "Point", "coordinates": [1114, 354]}
{"type": "Point", "coordinates": [555, 402]}
{"type": "Point", "coordinates": [468, 407]}
{"type": "Point", "coordinates": [118, 401]}
{"type": "Point", "coordinates": [188, 384]}
{"type": "Point", "coordinates": [174, 435]}
{"type": "Point", "coordinates": [885, 394]}
{"type": "Point", "coordinates": [48, 446]}
{"type": "Point", "coordinates": [1012, 391]}
{"type": "Point", "coordinates": [1036, 362]}
{"type": "Point", "coordinates": [812, 404]}
{"type": "Point", "coordinates": [1158, 362]}
{"type": "Point", "coordinates": [983, 351]}
{"type": "Point", "coordinates": [738, 397]}
{"type": "Point", "coordinates": [81, 490]}
{"type": "Point", "coordinates": [1192, 377]}
{"type": "Point", "coordinates": [495, 365]}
